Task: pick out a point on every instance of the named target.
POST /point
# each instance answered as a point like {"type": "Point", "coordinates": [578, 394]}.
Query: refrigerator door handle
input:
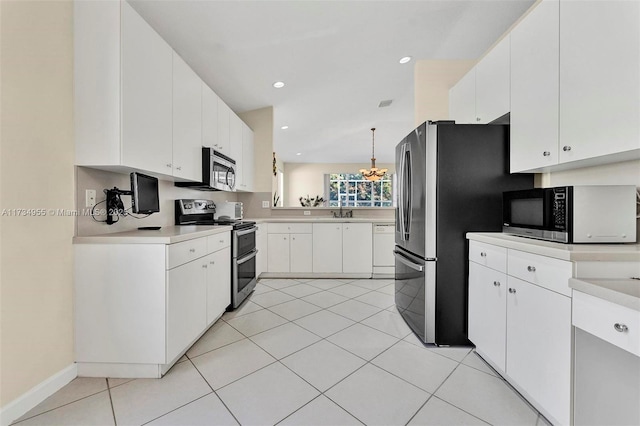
{"type": "Point", "coordinates": [410, 264]}
{"type": "Point", "coordinates": [400, 223]}
{"type": "Point", "coordinates": [406, 198]}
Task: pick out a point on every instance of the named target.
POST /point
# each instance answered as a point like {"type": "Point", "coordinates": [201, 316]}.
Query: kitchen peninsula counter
{"type": "Point", "coordinates": [164, 235]}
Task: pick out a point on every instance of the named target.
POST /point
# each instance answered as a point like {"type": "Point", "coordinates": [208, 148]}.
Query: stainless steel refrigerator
{"type": "Point", "coordinates": [450, 182]}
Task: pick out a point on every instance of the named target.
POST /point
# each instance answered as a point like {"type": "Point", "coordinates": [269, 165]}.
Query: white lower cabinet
{"type": "Point", "coordinates": [140, 306]}
{"type": "Point", "coordinates": [539, 346]}
{"type": "Point", "coordinates": [218, 279]}
{"type": "Point", "coordinates": [487, 312]}
{"type": "Point", "coordinates": [289, 247]}
{"type": "Point", "coordinates": [327, 247]}
{"type": "Point", "coordinates": [343, 248]}
{"type": "Point", "coordinates": [186, 306]}
{"type": "Point", "coordinates": [523, 328]}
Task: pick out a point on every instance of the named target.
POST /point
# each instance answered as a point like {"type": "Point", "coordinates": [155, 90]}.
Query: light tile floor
{"type": "Point", "coordinates": [303, 352]}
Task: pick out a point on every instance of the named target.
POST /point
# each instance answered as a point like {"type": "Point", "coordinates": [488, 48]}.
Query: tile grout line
{"type": "Point", "coordinates": [15, 423]}
{"type": "Point", "coordinates": [113, 410]}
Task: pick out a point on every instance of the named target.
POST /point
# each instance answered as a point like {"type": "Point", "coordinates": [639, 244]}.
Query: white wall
{"type": "Point", "coordinates": [37, 156]}
{"type": "Point", "coordinates": [301, 179]}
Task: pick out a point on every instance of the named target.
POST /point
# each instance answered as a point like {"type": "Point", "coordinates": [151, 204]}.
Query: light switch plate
{"type": "Point", "coordinates": [90, 198]}
{"type": "Point", "coordinates": [265, 204]}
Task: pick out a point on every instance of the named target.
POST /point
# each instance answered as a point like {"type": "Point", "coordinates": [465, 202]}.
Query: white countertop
{"type": "Point", "coordinates": [625, 292]}
{"type": "Point", "coordinates": [571, 252]}
{"type": "Point", "coordinates": [316, 219]}
{"type": "Point", "coordinates": [164, 235]}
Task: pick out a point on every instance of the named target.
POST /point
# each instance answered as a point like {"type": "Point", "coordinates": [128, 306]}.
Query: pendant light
{"type": "Point", "coordinates": [374, 173]}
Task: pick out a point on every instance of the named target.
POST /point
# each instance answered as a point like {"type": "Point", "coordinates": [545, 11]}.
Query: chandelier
{"type": "Point", "coordinates": [374, 173]}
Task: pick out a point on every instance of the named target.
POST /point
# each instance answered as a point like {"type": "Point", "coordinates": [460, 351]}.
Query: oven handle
{"type": "Point", "coordinates": [250, 256]}
{"type": "Point", "coordinates": [245, 231]}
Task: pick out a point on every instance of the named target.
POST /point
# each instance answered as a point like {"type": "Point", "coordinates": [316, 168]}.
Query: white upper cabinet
{"type": "Point", "coordinates": [492, 84]}
{"type": "Point", "coordinates": [462, 99]}
{"type": "Point", "coordinates": [187, 121]}
{"type": "Point", "coordinates": [534, 89]}
{"type": "Point", "coordinates": [599, 80]}
{"type": "Point", "coordinates": [146, 96]}
{"type": "Point", "coordinates": [247, 158]}
{"type": "Point", "coordinates": [235, 147]}
{"type": "Point", "coordinates": [209, 117]}
{"type": "Point", "coordinates": [224, 112]}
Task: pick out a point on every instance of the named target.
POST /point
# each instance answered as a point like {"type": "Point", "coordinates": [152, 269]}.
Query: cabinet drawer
{"type": "Point", "coordinates": [544, 271]}
{"type": "Point", "coordinates": [613, 323]}
{"type": "Point", "coordinates": [290, 228]}
{"type": "Point", "coordinates": [493, 257]}
{"type": "Point", "coordinates": [218, 241]}
{"type": "Point", "coordinates": [181, 253]}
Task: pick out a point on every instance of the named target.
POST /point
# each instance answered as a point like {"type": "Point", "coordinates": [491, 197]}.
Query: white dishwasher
{"type": "Point", "coordinates": [383, 244]}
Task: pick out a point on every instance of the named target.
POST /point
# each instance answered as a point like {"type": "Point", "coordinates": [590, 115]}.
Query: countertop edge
{"type": "Point", "coordinates": [569, 252]}
{"type": "Point", "coordinates": [321, 220]}
{"type": "Point", "coordinates": [166, 235]}
{"type": "Point", "coordinates": [604, 293]}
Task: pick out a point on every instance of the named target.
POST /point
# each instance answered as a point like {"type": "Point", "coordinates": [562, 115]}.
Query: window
{"type": "Point", "coordinates": [353, 190]}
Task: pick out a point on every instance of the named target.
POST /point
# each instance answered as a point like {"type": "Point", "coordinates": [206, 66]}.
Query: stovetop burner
{"type": "Point", "coordinates": [202, 212]}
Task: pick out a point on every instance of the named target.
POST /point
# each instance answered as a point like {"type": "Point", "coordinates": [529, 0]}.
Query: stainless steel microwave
{"type": "Point", "coordinates": [218, 173]}
{"type": "Point", "coordinates": [572, 214]}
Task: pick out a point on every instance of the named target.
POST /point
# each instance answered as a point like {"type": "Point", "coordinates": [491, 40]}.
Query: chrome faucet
{"type": "Point", "coordinates": [340, 214]}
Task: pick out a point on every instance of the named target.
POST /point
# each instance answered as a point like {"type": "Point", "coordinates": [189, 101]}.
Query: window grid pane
{"type": "Point", "coordinates": [351, 190]}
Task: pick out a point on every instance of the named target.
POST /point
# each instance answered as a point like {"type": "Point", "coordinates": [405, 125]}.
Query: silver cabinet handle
{"type": "Point", "coordinates": [192, 250]}
{"type": "Point", "coordinates": [546, 153]}
{"type": "Point", "coordinates": [621, 328]}
{"type": "Point", "coordinates": [212, 263]}
{"type": "Point", "coordinates": [496, 283]}
{"type": "Point", "coordinates": [221, 241]}
{"type": "Point", "coordinates": [566, 148]}
{"type": "Point", "coordinates": [512, 290]}
{"type": "Point", "coordinates": [168, 164]}
{"type": "Point", "coordinates": [179, 168]}
{"type": "Point", "coordinates": [204, 266]}
{"type": "Point", "coordinates": [483, 254]}
{"type": "Point", "coordinates": [477, 118]}
{"type": "Point", "coordinates": [531, 268]}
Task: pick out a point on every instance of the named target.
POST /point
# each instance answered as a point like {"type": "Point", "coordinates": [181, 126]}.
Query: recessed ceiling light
{"type": "Point", "coordinates": [284, 127]}
{"type": "Point", "coordinates": [278, 84]}
{"type": "Point", "coordinates": [405, 59]}
{"type": "Point", "coordinates": [298, 153]}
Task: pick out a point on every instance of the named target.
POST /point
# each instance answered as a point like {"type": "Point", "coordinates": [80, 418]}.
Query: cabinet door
{"type": "Point", "coordinates": [235, 147]}
{"type": "Point", "coordinates": [357, 248]}
{"type": "Point", "coordinates": [492, 84]}
{"type": "Point", "coordinates": [301, 247]}
{"type": "Point", "coordinates": [488, 313]}
{"type": "Point", "coordinates": [247, 158]}
{"type": "Point", "coordinates": [534, 89]}
{"type": "Point", "coordinates": [462, 99]}
{"type": "Point", "coordinates": [599, 78]}
{"type": "Point", "coordinates": [187, 121]}
{"type": "Point", "coordinates": [209, 117]}
{"type": "Point", "coordinates": [224, 113]}
{"type": "Point", "coordinates": [218, 283]}
{"type": "Point", "coordinates": [327, 247]}
{"type": "Point", "coordinates": [147, 74]}
{"type": "Point", "coordinates": [186, 306]}
{"type": "Point", "coordinates": [278, 252]}
{"type": "Point", "coordinates": [539, 346]}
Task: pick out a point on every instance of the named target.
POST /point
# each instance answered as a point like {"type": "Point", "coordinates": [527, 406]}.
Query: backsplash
{"type": "Point", "coordinates": [87, 178]}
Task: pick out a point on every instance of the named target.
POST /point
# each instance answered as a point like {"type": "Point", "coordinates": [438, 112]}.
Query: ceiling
{"type": "Point", "coordinates": [338, 60]}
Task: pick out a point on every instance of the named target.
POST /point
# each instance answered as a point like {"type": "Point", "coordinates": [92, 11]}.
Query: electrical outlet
{"type": "Point", "coordinates": [90, 198]}
{"type": "Point", "coordinates": [265, 204]}
{"type": "Point", "coordinates": [307, 212]}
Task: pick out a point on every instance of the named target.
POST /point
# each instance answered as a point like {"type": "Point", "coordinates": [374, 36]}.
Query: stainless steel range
{"type": "Point", "coordinates": [243, 244]}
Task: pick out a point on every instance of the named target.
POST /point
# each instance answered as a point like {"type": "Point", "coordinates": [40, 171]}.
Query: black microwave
{"type": "Point", "coordinates": [572, 214]}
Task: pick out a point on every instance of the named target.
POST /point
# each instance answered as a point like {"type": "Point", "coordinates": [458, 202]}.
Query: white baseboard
{"type": "Point", "coordinates": [34, 396]}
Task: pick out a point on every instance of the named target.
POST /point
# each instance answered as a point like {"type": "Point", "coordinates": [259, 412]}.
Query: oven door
{"type": "Point", "coordinates": [244, 241]}
{"type": "Point", "coordinates": [244, 277]}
